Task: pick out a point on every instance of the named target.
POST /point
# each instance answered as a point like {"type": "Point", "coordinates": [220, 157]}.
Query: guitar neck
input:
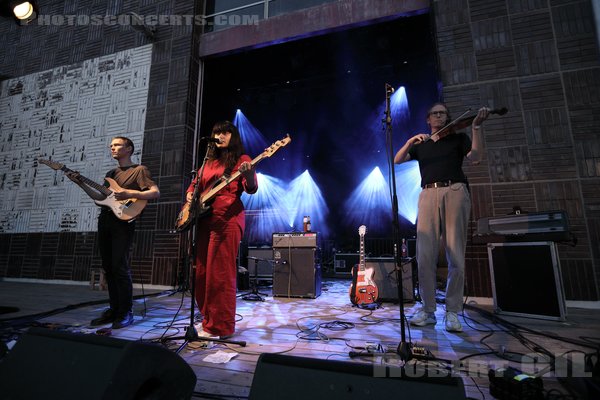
{"type": "Point", "coordinates": [361, 255]}
{"type": "Point", "coordinates": [101, 188]}
{"type": "Point", "coordinates": [227, 180]}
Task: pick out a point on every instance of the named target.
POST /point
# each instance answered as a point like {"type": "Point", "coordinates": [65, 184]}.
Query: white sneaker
{"type": "Point", "coordinates": [422, 318]}
{"type": "Point", "coordinates": [207, 344]}
{"type": "Point", "coordinates": [452, 322]}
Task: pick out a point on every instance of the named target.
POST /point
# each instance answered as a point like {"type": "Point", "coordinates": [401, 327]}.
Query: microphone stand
{"type": "Point", "coordinates": [254, 294]}
{"type": "Point", "coordinates": [191, 335]}
{"type": "Point", "coordinates": [404, 349]}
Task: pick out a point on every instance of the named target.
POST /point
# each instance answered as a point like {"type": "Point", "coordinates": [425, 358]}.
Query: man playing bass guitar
{"type": "Point", "coordinates": [115, 236]}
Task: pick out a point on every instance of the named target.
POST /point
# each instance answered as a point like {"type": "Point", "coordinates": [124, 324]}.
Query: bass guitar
{"type": "Point", "coordinates": [125, 210]}
{"type": "Point", "coordinates": [199, 206]}
{"type": "Point", "coordinates": [363, 289]}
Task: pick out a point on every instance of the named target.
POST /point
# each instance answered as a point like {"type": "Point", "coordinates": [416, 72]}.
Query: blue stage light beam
{"type": "Point", "coordinates": [265, 211]}
{"type": "Point", "coordinates": [400, 113]}
{"type": "Point", "coordinates": [408, 187]}
{"type": "Point", "coordinates": [305, 198]}
{"type": "Point", "coordinates": [399, 106]}
{"type": "Point", "coordinates": [369, 204]}
{"type": "Point", "coordinates": [254, 141]}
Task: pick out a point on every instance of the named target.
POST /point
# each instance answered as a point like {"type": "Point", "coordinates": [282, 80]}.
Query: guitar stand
{"type": "Point", "coordinates": [254, 294]}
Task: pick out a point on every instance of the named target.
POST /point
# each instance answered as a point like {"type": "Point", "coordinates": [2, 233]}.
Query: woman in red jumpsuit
{"type": "Point", "coordinates": [219, 235]}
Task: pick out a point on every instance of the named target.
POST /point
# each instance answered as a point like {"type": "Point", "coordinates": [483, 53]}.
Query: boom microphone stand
{"type": "Point", "coordinates": [404, 349]}
{"type": "Point", "coordinates": [190, 334]}
{"type": "Point", "coordinates": [254, 294]}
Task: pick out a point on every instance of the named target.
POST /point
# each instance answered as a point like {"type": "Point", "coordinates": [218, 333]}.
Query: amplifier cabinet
{"type": "Point", "coordinates": [295, 273]}
{"type": "Point", "coordinates": [260, 258]}
{"type": "Point", "coordinates": [295, 239]}
{"type": "Point", "coordinates": [526, 280]}
{"type": "Point", "coordinates": [344, 262]}
{"type": "Point", "coordinates": [384, 275]}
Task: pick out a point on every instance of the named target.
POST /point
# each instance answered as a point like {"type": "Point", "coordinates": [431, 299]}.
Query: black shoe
{"type": "Point", "coordinates": [107, 317]}
{"type": "Point", "coordinates": [122, 322]}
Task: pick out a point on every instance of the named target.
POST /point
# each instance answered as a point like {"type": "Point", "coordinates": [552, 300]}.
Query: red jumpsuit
{"type": "Point", "coordinates": [217, 244]}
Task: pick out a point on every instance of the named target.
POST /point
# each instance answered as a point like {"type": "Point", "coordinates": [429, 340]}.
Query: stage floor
{"type": "Point", "coordinates": [328, 328]}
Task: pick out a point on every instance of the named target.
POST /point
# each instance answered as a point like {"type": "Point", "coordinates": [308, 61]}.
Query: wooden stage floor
{"type": "Point", "coordinates": [327, 328]}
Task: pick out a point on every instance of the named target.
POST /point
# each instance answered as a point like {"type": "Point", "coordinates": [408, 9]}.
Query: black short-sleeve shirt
{"type": "Point", "coordinates": [442, 160]}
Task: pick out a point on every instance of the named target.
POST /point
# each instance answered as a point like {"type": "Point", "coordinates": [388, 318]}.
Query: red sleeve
{"type": "Point", "coordinates": [192, 185]}
{"type": "Point", "coordinates": [243, 158]}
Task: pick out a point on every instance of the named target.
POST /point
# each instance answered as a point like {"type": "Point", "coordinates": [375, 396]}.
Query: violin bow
{"type": "Point", "coordinates": [449, 124]}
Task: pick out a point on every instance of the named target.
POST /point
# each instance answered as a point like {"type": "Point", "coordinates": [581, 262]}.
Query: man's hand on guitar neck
{"type": "Point", "coordinates": [76, 177]}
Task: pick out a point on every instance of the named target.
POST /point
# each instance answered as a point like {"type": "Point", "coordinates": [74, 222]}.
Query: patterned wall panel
{"type": "Point", "coordinates": [575, 35]}
{"type": "Point", "coordinates": [509, 164]}
{"type": "Point", "coordinates": [450, 13]}
{"type": "Point", "coordinates": [540, 59]}
{"type": "Point", "coordinates": [67, 114]}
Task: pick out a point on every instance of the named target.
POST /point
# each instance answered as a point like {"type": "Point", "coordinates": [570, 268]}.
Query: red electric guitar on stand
{"type": "Point", "coordinates": [363, 289]}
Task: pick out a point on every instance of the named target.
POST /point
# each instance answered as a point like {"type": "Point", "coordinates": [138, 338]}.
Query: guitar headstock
{"type": "Point", "coordinates": [52, 164]}
{"type": "Point", "coordinates": [269, 151]}
{"type": "Point", "coordinates": [362, 230]}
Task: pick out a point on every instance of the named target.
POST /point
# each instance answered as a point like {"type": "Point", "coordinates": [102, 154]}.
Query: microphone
{"type": "Point", "coordinates": [389, 88]}
{"type": "Point", "coordinates": [210, 139]}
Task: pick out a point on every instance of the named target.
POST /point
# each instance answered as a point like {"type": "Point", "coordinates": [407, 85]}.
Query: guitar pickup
{"type": "Point", "coordinates": [127, 203]}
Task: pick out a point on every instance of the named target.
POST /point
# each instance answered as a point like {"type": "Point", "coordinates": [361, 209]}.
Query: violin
{"type": "Point", "coordinates": [460, 123]}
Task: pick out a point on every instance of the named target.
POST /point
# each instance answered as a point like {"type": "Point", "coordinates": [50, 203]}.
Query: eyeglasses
{"type": "Point", "coordinates": [438, 113]}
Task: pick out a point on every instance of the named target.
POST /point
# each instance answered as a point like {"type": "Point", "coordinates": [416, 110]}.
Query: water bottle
{"type": "Point", "coordinates": [308, 224]}
{"type": "Point", "coordinates": [404, 249]}
{"type": "Point", "coordinates": [305, 224]}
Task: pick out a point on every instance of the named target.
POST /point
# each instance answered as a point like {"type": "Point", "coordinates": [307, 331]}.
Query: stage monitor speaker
{"type": "Point", "coordinates": [264, 264]}
{"type": "Point", "coordinates": [295, 273]}
{"type": "Point", "coordinates": [47, 364]}
{"type": "Point", "coordinates": [287, 377]}
{"type": "Point", "coordinates": [526, 280]}
{"type": "Point", "coordinates": [384, 275]}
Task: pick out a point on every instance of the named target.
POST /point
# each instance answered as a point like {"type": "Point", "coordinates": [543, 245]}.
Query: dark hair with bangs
{"type": "Point", "coordinates": [232, 153]}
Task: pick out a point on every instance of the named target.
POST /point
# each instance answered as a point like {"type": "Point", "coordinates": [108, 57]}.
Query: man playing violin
{"type": "Point", "coordinates": [444, 207]}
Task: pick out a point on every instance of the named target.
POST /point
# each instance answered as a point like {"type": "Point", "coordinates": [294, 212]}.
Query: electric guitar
{"type": "Point", "coordinates": [199, 206]}
{"type": "Point", "coordinates": [363, 289]}
{"type": "Point", "coordinates": [125, 210]}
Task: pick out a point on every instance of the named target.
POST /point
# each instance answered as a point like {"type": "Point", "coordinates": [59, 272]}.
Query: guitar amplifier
{"type": "Point", "coordinates": [260, 262]}
{"type": "Point", "coordinates": [295, 273]}
{"type": "Point", "coordinates": [384, 276]}
{"type": "Point", "coordinates": [295, 239]}
{"type": "Point", "coordinates": [344, 262]}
